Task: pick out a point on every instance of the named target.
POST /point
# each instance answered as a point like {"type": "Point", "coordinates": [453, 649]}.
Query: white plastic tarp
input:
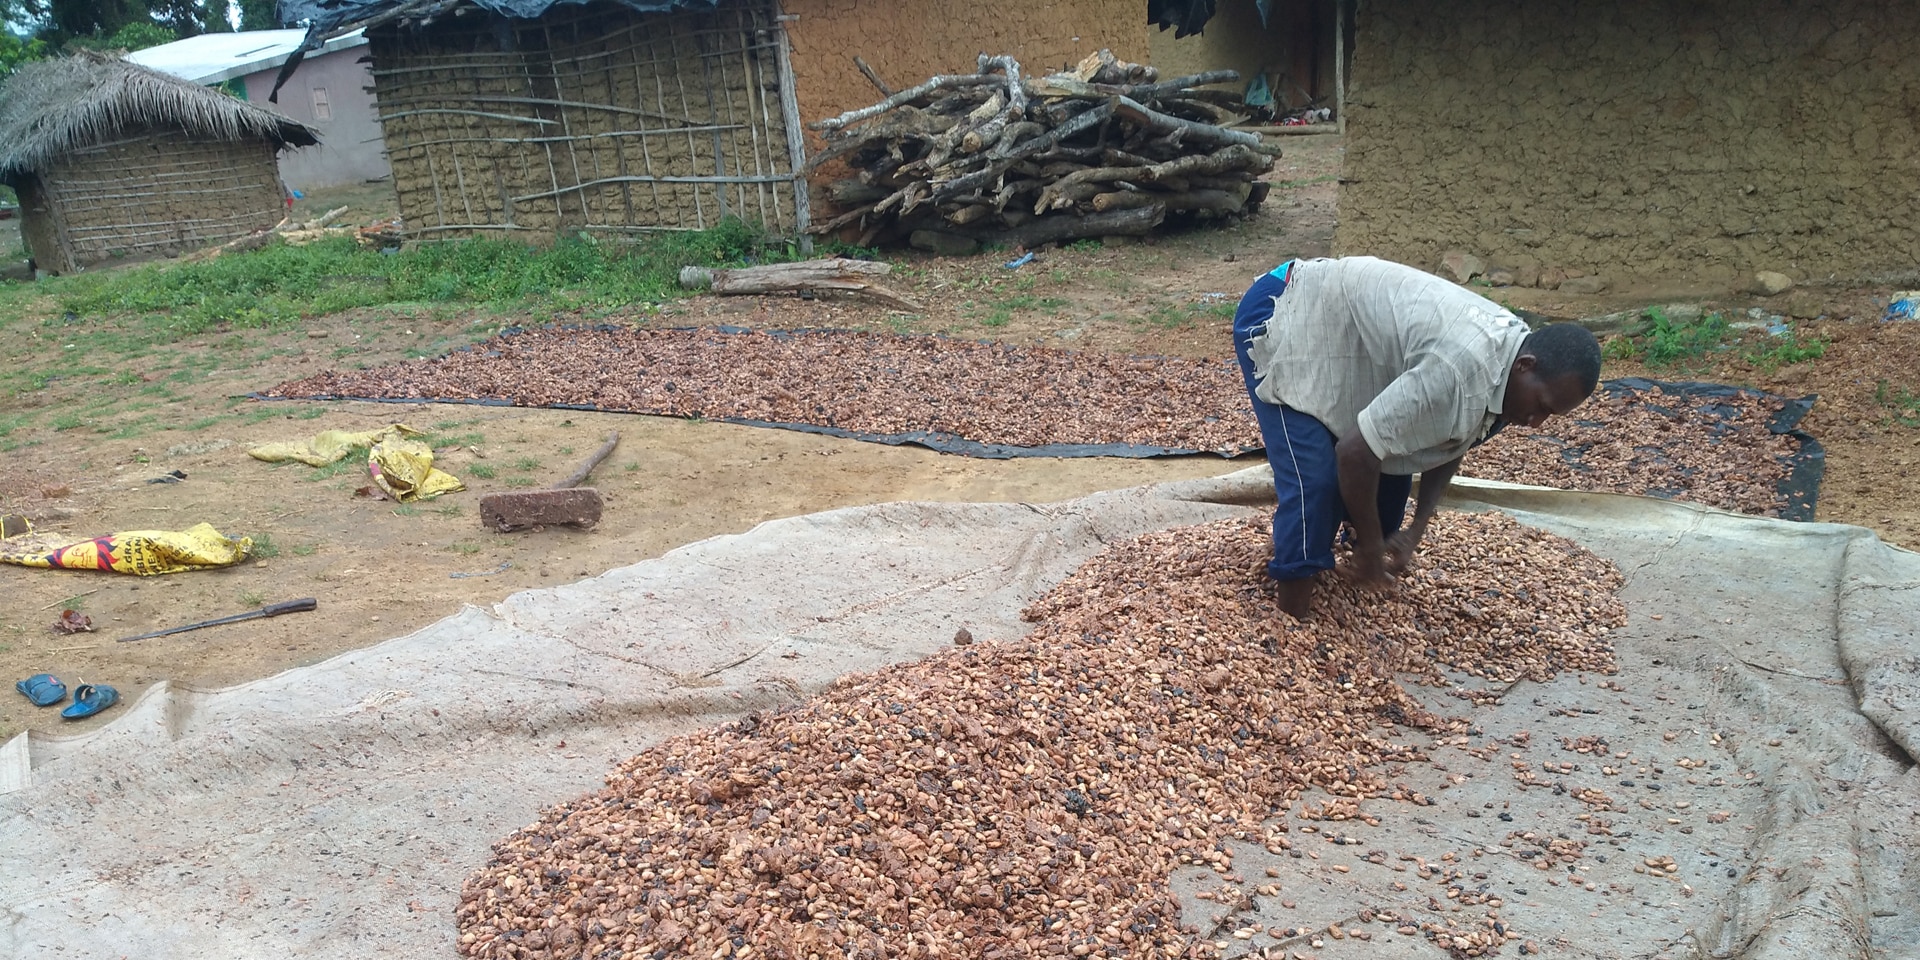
{"type": "Point", "coordinates": [333, 810]}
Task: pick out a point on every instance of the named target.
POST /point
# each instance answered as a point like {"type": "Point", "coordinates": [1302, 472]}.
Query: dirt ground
{"type": "Point", "coordinates": [381, 570]}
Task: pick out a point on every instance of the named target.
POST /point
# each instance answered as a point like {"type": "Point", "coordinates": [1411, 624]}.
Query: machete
{"type": "Point", "coordinates": [288, 606]}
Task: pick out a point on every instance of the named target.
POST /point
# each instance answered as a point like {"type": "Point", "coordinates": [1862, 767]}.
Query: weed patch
{"type": "Point", "coordinates": [1667, 342]}
{"type": "Point", "coordinates": [1902, 404]}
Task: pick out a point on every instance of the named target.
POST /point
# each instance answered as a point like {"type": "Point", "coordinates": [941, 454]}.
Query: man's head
{"type": "Point", "coordinates": [1558, 367]}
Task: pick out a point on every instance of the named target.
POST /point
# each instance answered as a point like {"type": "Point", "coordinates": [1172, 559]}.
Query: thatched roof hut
{"type": "Point", "coordinates": [112, 159]}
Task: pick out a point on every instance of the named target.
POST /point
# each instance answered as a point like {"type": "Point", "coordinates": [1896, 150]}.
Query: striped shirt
{"type": "Point", "coordinates": [1416, 364]}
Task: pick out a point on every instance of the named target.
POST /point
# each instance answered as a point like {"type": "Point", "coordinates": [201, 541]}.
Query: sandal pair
{"type": "Point", "coordinates": [45, 690]}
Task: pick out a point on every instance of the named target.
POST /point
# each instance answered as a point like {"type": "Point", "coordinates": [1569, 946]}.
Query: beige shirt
{"type": "Point", "coordinates": [1416, 364]}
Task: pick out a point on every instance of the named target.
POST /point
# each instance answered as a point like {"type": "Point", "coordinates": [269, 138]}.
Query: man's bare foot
{"type": "Point", "coordinates": [1296, 597]}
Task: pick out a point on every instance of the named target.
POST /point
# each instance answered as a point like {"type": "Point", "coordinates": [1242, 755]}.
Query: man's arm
{"type": "Point", "coordinates": [1433, 486]}
{"type": "Point", "coordinates": [1360, 489]}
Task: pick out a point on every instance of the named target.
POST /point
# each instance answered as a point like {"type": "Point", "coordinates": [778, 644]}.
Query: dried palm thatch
{"type": "Point", "coordinates": [53, 107]}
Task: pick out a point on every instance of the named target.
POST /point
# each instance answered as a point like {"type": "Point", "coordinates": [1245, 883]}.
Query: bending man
{"type": "Point", "coordinates": [1365, 372]}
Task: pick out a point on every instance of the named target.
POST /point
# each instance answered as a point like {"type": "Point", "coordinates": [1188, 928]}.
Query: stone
{"type": "Point", "coordinates": [1804, 306]}
{"type": "Point", "coordinates": [1500, 277]}
{"type": "Point", "coordinates": [1683, 312]}
{"type": "Point", "coordinates": [1551, 278]}
{"type": "Point", "coordinates": [1461, 266]}
{"type": "Point", "coordinates": [1769, 283]}
{"type": "Point", "coordinates": [1624, 321]}
{"type": "Point", "coordinates": [1583, 286]}
{"type": "Point", "coordinates": [1526, 274]}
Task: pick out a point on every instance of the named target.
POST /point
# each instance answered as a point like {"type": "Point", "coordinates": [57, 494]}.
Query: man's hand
{"type": "Point", "coordinates": [1401, 545]}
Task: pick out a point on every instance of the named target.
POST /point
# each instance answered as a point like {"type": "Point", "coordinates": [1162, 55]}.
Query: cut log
{"type": "Point", "coordinates": [1189, 130]}
{"type": "Point", "coordinates": [1061, 85]}
{"type": "Point", "coordinates": [841, 220]}
{"type": "Point", "coordinates": [903, 98]}
{"type": "Point", "coordinates": [1061, 193]}
{"type": "Point", "coordinates": [972, 181]}
{"type": "Point", "coordinates": [1222, 201]}
{"type": "Point", "coordinates": [850, 190]}
{"type": "Point", "coordinates": [838, 273]}
{"type": "Point", "coordinates": [1056, 228]}
{"type": "Point", "coordinates": [1236, 157]}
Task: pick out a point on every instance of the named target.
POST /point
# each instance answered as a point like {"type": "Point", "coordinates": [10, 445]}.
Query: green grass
{"type": "Point", "coordinates": [1666, 342]}
{"type": "Point", "coordinates": [441, 440]}
{"type": "Point", "coordinates": [305, 549]}
{"type": "Point", "coordinates": [1085, 245]}
{"type": "Point", "coordinates": [482, 471]}
{"type": "Point", "coordinates": [104, 331]}
{"type": "Point", "coordinates": [355, 460]}
{"type": "Point", "coordinates": [1777, 352]}
{"type": "Point", "coordinates": [281, 283]}
{"type": "Point", "coordinates": [527, 463]}
{"type": "Point", "coordinates": [520, 481]}
{"type": "Point", "coordinates": [465, 546]}
{"type": "Point", "coordinates": [1902, 404]}
{"type": "Point", "coordinates": [251, 598]}
{"type": "Point", "coordinates": [75, 602]}
{"type": "Point", "coordinates": [406, 510]}
{"type": "Point", "coordinates": [264, 547]}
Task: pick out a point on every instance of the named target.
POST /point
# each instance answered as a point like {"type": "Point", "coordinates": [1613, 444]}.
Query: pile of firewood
{"type": "Point", "coordinates": [995, 157]}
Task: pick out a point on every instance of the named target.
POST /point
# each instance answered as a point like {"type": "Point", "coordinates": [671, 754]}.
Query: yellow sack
{"type": "Point", "coordinates": [328, 446]}
{"type": "Point", "coordinates": [404, 470]}
{"type": "Point", "coordinates": [143, 553]}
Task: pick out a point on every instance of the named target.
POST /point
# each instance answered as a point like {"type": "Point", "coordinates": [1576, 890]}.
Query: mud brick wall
{"type": "Point", "coordinates": [910, 41]}
{"type": "Point", "coordinates": [157, 194]}
{"type": "Point", "coordinates": [537, 128]}
{"type": "Point", "coordinates": [1641, 140]}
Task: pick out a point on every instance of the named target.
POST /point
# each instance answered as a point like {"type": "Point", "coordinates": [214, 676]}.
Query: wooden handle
{"type": "Point", "coordinates": [580, 475]}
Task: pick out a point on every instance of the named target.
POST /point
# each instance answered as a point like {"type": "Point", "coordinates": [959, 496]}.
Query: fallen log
{"type": "Point", "coordinates": [838, 273]}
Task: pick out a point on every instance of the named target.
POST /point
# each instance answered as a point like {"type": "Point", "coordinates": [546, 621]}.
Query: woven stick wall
{"type": "Point", "coordinates": [594, 119]}
{"type": "Point", "coordinates": [156, 194]}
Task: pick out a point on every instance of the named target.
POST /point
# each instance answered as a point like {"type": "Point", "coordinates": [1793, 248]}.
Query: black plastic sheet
{"type": "Point", "coordinates": [1799, 490]}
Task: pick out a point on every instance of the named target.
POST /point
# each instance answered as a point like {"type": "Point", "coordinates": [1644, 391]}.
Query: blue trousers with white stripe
{"type": "Point", "coordinates": [1306, 475]}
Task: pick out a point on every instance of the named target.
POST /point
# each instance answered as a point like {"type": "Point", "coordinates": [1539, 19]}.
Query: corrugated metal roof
{"type": "Point", "coordinates": [214, 57]}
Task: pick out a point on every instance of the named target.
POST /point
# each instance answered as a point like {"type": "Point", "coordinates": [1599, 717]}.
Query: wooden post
{"type": "Point", "coordinates": [1340, 63]}
{"type": "Point", "coordinates": [796, 138]}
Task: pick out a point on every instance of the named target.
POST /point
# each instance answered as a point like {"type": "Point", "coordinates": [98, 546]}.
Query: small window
{"type": "Point", "coordinates": [322, 109]}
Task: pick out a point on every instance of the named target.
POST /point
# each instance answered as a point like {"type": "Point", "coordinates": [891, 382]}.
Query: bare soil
{"type": "Point", "coordinates": [381, 570]}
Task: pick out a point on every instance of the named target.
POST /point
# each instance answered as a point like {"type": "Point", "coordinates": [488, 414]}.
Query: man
{"type": "Point", "coordinates": [1364, 372]}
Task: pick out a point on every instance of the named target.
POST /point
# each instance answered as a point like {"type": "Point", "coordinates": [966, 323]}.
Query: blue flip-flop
{"type": "Point", "coordinates": [44, 689]}
{"type": "Point", "coordinates": [89, 699]}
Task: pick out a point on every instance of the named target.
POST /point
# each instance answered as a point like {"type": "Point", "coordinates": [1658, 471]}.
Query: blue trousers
{"type": "Point", "coordinates": [1306, 476]}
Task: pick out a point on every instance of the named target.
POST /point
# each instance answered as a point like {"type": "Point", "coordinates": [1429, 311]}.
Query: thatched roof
{"type": "Point", "coordinates": [55, 106]}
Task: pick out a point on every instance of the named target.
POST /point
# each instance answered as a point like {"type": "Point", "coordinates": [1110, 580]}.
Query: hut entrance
{"type": "Point", "coordinates": [593, 119]}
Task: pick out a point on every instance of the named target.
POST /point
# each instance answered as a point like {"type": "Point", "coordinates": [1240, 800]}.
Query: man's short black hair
{"type": "Point", "coordinates": [1565, 349]}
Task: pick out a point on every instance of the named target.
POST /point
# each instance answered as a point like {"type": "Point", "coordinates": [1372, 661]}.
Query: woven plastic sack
{"type": "Point", "coordinates": [404, 470]}
{"type": "Point", "coordinates": [328, 446]}
{"type": "Point", "coordinates": [143, 553]}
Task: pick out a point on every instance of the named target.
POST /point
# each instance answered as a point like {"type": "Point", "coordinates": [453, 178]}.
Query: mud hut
{"type": "Point", "coordinates": [530, 118]}
{"type": "Point", "coordinates": [114, 160]}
